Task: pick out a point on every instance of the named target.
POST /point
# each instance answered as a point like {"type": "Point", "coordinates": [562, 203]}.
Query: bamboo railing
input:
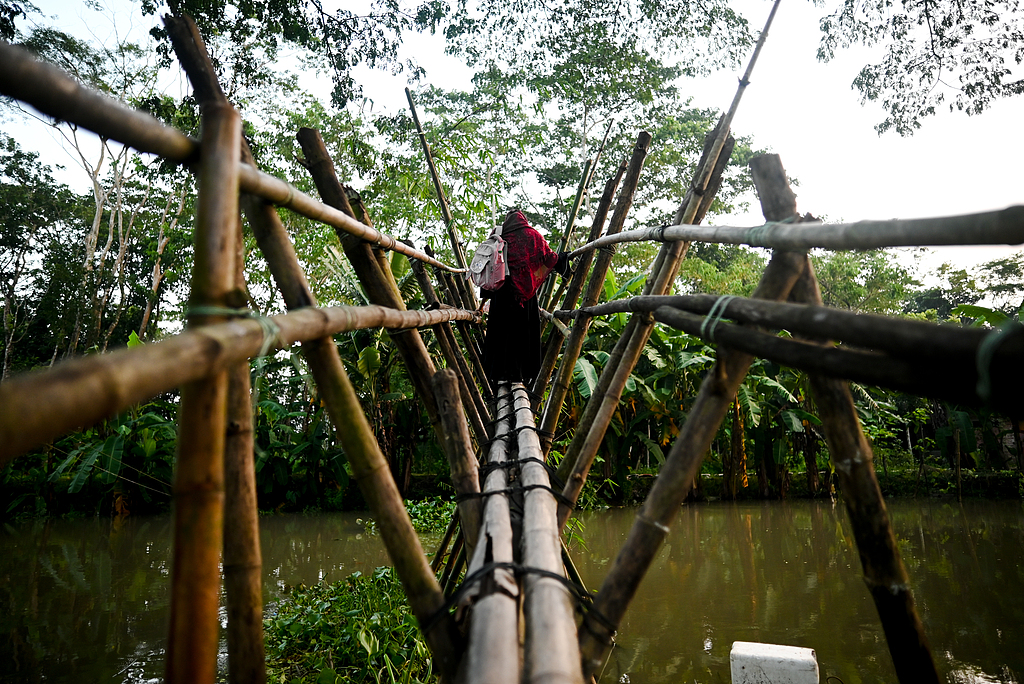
{"type": "Point", "coordinates": [514, 601]}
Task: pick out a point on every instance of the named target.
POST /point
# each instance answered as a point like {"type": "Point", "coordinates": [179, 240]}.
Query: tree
{"type": "Point", "coordinates": [36, 212]}
{"type": "Point", "coordinates": [866, 282]}
{"type": "Point", "coordinates": [933, 50]}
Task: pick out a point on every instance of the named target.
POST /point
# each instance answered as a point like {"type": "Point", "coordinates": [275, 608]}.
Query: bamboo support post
{"type": "Point", "coordinates": [459, 450]}
{"type": "Point", "coordinates": [595, 285]}
{"type": "Point", "coordinates": [442, 200]}
{"type": "Point", "coordinates": [380, 291]}
{"type": "Point", "coordinates": [599, 410]}
{"type": "Point", "coordinates": [199, 471]}
{"type": "Point", "coordinates": [676, 475]}
{"type": "Point", "coordinates": [54, 93]}
{"type": "Point", "coordinates": [492, 656]}
{"type": "Point", "coordinates": [572, 290]}
{"type": "Point", "coordinates": [551, 651]}
{"type": "Point", "coordinates": [544, 299]}
{"type": "Point", "coordinates": [469, 389]}
{"type": "Point", "coordinates": [605, 398]}
{"type": "Point", "coordinates": [242, 562]}
{"type": "Point", "coordinates": [369, 467]}
{"type": "Point", "coordinates": [442, 548]}
{"type": "Point", "coordinates": [852, 457]}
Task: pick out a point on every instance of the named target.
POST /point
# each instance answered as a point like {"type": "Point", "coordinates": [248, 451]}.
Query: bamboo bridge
{"type": "Point", "coordinates": [499, 601]}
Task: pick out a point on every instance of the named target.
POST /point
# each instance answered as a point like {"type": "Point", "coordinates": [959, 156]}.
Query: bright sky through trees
{"type": "Point", "coordinates": [798, 107]}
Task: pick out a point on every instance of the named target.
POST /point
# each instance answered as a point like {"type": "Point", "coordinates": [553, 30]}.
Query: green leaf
{"type": "Point", "coordinates": [83, 470]}
{"type": "Point", "coordinates": [586, 377]}
{"type": "Point", "coordinates": [654, 448]}
{"type": "Point", "coordinates": [753, 408]}
{"type": "Point", "coordinates": [369, 361]}
{"type": "Point", "coordinates": [981, 314]}
{"type": "Point", "coordinates": [792, 421]}
{"type": "Point", "coordinates": [134, 341]}
{"type": "Point", "coordinates": [327, 676]}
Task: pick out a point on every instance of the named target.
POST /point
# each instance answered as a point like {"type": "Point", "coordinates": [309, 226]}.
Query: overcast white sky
{"type": "Point", "coordinates": [796, 106]}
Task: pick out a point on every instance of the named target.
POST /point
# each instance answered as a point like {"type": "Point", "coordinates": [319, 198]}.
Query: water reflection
{"type": "Point", "coordinates": [87, 600]}
{"type": "Point", "coordinates": [789, 573]}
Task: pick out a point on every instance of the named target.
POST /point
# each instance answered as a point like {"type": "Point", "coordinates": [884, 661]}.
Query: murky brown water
{"type": "Point", "coordinates": [86, 601]}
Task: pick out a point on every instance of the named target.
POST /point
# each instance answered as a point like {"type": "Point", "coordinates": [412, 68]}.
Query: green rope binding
{"type": "Point", "coordinates": [759, 235]}
{"type": "Point", "coordinates": [714, 317]}
{"type": "Point", "coordinates": [271, 330]}
{"type": "Point", "coordinates": [986, 351]}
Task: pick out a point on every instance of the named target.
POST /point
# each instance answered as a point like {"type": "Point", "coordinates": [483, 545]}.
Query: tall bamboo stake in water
{"type": "Point", "coordinates": [852, 457]}
{"type": "Point", "coordinates": [199, 471]}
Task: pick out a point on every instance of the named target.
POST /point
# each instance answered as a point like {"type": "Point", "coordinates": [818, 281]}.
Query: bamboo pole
{"type": "Point", "coordinates": [595, 285]}
{"type": "Point", "coordinates": [54, 93]}
{"type": "Point", "coordinates": [1004, 226]}
{"type": "Point", "coordinates": [544, 299]}
{"type": "Point", "coordinates": [459, 450]}
{"type": "Point", "coordinates": [676, 475]}
{"type": "Point", "coordinates": [83, 391]}
{"type": "Point", "coordinates": [573, 289]}
{"type": "Point", "coordinates": [901, 337]}
{"type": "Point", "coordinates": [199, 470]}
{"type": "Point", "coordinates": [469, 389]}
{"type": "Point", "coordinates": [492, 656]}
{"type": "Point", "coordinates": [243, 564]}
{"type": "Point", "coordinates": [551, 651]}
{"type": "Point", "coordinates": [597, 414]}
{"type": "Point", "coordinates": [852, 458]}
{"type": "Point", "coordinates": [243, 561]}
{"type": "Point", "coordinates": [442, 548]}
{"type": "Point", "coordinates": [958, 381]}
{"type": "Point", "coordinates": [409, 344]}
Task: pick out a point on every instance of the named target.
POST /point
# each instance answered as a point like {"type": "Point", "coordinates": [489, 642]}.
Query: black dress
{"type": "Point", "coordinates": [512, 344]}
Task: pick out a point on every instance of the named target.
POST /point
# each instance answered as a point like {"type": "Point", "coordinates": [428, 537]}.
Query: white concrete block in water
{"type": "Point", "coordinates": [754, 663]}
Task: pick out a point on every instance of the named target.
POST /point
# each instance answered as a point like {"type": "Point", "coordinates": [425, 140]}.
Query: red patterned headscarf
{"type": "Point", "coordinates": [529, 256]}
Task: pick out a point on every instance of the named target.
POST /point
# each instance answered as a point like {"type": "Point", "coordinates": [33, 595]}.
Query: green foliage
{"type": "Point", "coordinates": [356, 630]}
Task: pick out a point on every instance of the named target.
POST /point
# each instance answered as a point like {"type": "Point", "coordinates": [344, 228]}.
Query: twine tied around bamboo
{"type": "Point", "coordinates": [756, 236]}
{"type": "Point", "coordinates": [714, 317]}
{"type": "Point", "coordinates": [271, 330]}
{"type": "Point", "coordinates": [986, 351]}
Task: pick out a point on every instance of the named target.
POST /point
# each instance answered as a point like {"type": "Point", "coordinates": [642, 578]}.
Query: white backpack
{"type": "Point", "coordinates": [487, 269]}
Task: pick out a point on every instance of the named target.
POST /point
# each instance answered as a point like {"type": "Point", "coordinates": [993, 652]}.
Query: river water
{"type": "Point", "coordinates": [87, 600]}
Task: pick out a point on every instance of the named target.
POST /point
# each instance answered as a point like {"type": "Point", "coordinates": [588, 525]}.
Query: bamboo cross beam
{"type": "Point", "coordinates": [54, 93]}
{"type": "Point", "coordinates": [551, 651]}
{"type": "Point", "coordinates": [959, 381]}
{"type": "Point", "coordinates": [202, 428]}
{"type": "Point", "coordinates": [573, 289]}
{"type": "Point", "coordinates": [492, 655]}
{"type": "Point", "coordinates": [1001, 227]}
{"type": "Point", "coordinates": [85, 390]}
{"type": "Point", "coordinates": [901, 337]}
{"type": "Point", "coordinates": [557, 324]}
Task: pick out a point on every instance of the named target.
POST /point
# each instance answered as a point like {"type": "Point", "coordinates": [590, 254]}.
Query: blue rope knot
{"type": "Point", "coordinates": [714, 317]}
{"type": "Point", "coordinates": [986, 351]}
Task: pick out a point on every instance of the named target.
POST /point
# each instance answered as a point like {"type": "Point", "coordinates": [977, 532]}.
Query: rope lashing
{"type": "Point", "coordinates": [271, 330]}
{"type": "Point", "coordinates": [986, 351]}
{"type": "Point", "coordinates": [714, 317]}
{"type": "Point", "coordinates": [584, 599]}
{"type": "Point", "coordinates": [756, 236]}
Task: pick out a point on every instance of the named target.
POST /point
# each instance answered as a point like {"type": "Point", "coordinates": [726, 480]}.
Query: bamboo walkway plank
{"type": "Point", "coordinates": [493, 653]}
